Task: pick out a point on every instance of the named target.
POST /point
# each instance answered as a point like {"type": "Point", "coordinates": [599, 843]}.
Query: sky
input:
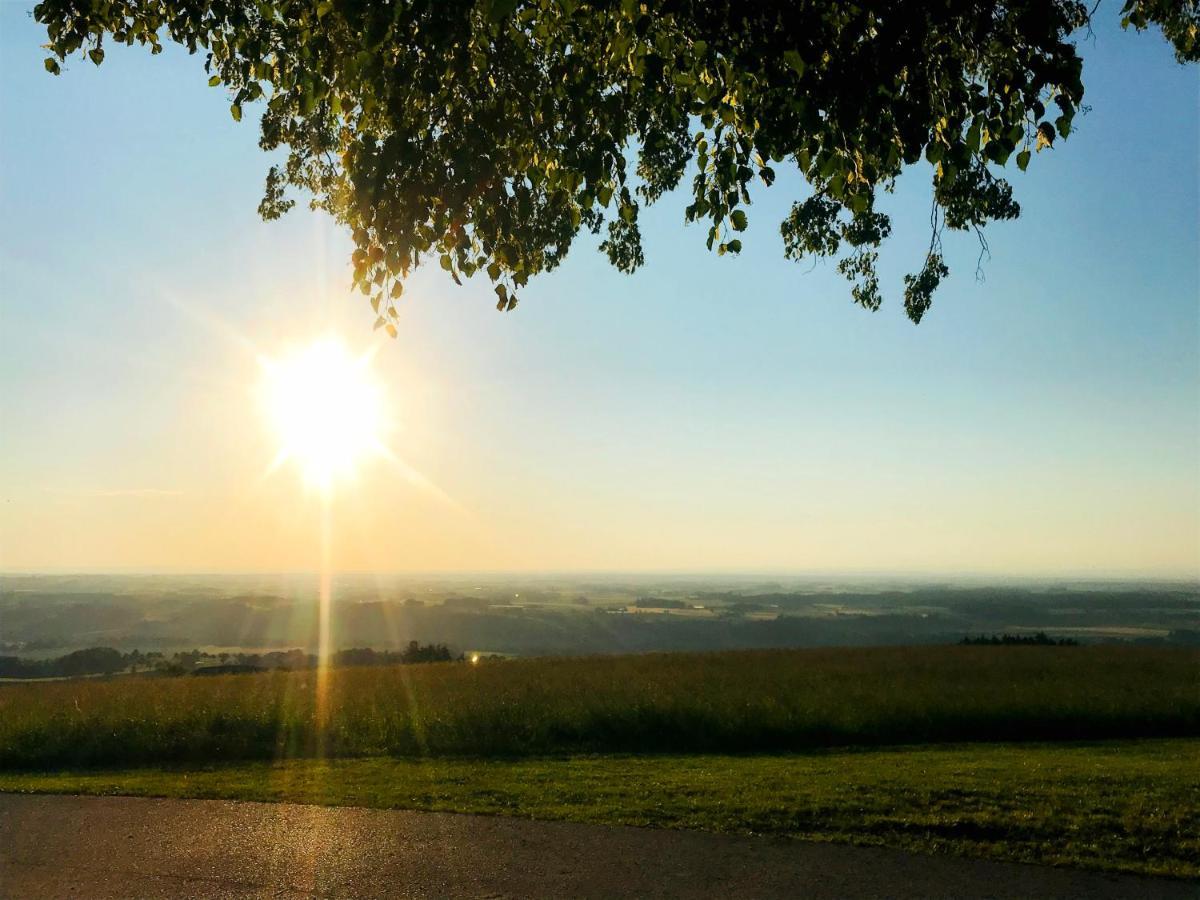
{"type": "Point", "coordinates": [705, 414]}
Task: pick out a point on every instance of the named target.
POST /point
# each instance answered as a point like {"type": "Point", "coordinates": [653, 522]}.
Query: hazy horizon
{"type": "Point", "coordinates": [849, 577]}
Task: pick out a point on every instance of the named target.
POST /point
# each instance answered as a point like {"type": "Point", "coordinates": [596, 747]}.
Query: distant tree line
{"type": "Point", "coordinates": [108, 661]}
{"type": "Point", "coordinates": [92, 661]}
{"type": "Point", "coordinates": [1041, 639]}
{"type": "Point", "coordinates": [414, 653]}
{"type": "Point", "coordinates": [660, 603]}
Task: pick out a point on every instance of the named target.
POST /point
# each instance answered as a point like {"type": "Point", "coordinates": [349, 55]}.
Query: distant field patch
{"type": "Point", "coordinates": [735, 702]}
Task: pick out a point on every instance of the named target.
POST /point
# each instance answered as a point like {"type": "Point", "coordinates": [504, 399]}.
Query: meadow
{"type": "Point", "coordinates": [733, 702]}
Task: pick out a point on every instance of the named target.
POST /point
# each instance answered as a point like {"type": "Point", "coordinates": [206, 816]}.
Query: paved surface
{"type": "Point", "coordinates": [100, 847]}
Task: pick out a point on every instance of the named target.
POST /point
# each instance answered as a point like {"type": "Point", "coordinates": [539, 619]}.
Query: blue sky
{"type": "Point", "coordinates": [705, 413]}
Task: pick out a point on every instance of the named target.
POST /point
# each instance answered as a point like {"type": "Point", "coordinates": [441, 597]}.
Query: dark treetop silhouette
{"type": "Point", "coordinates": [487, 133]}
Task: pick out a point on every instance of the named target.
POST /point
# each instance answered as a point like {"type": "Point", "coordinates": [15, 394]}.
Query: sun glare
{"type": "Point", "coordinates": [325, 409]}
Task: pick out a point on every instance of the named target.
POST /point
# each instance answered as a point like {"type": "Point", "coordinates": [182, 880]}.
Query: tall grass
{"type": "Point", "coordinates": [731, 702]}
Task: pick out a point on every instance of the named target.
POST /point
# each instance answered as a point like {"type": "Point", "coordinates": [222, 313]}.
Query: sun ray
{"type": "Point", "coordinates": [324, 627]}
{"type": "Point", "coordinates": [416, 478]}
{"type": "Point", "coordinates": [328, 414]}
{"type": "Point", "coordinates": [209, 319]}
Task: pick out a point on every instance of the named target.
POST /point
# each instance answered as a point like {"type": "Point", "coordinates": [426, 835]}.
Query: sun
{"type": "Point", "coordinates": [325, 408]}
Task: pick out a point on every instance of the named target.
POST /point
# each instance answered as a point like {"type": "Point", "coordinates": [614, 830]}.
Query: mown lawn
{"type": "Point", "coordinates": [738, 702]}
{"type": "Point", "coordinates": [1129, 806]}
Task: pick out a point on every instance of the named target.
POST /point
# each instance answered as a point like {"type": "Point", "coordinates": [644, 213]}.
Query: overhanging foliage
{"type": "Point", "coordinates": [485, 134]}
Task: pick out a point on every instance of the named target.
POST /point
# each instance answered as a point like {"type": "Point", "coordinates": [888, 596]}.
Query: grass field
{"type": "Point", "coordinates": [762, 701]}
{"type": "Point", "coordinates": [851, 745]}
{"type": "Point", "coordinates": [1129, 806]}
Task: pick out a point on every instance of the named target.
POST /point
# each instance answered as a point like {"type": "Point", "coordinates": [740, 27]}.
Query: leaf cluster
{"type": "Point", "coordinates": [486, 134]}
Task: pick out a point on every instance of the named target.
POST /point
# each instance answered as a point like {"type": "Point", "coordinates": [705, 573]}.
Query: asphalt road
{"type": "Point", "coordinates": [102, 847]}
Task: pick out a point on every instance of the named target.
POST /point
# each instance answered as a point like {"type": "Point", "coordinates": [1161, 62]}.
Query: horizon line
{"type": "Point", "coordinates": [710, 573]}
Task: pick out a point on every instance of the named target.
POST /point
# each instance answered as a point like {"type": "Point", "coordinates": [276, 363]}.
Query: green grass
{"type": "Point", "coordinates": [1129, 806]}
{"type": "Point", "coordinates": [764, 701]}
{"type": "Point", "coordinates": [726, 742]}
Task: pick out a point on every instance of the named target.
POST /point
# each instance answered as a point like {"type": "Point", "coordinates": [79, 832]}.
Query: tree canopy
{"type": "Point", "coordinates": [485, 134]}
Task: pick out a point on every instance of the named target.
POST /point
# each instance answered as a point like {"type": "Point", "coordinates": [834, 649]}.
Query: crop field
{"type": "Point", "coordinates": [736, 702]}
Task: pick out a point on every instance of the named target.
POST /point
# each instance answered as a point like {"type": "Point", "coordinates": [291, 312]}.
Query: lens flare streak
{"type": "Point", "coordinates": [328, 415]}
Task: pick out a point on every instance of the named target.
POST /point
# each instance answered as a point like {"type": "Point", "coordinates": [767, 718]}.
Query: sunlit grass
{"type": "Point", "coordinates": [1128, 806]}
{"type": "Point", "coordinates": [681, 703]}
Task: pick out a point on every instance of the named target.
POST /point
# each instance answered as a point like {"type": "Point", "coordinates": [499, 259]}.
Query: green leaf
{"type": "Point", "coordinates": [738, 219]}
{"type": "Point", "coordinates": [323, 9]}
{"type": "Point", "coordinates": [1023, 159]}
{"type": "Point", "coordinates": [397, 290]}
{"type": "Point", "coordinates": [735, 246]}
{"type": "Point", "coordinates": [502, 9]}
{"type": "Point", "coordinates": [236, 111]}
{"type": "Point", "coordinates": [96, 55]}
{"type": "Point", "coordinates": [445, 262]}
{"type": "Point", "coordinates": [1045, 132]}
{"type": "Point", "coordinates": [52, 66]}
{"type": "Point", "coordinates": [214, 81]}
{"type": "Point", "coordinates": [974, 135]}
{"type": "Point", "coordinates": [792, 58]}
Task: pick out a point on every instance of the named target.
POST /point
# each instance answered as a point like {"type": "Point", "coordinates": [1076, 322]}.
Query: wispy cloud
{"type": "Point", "coordinates": [115, 492]}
